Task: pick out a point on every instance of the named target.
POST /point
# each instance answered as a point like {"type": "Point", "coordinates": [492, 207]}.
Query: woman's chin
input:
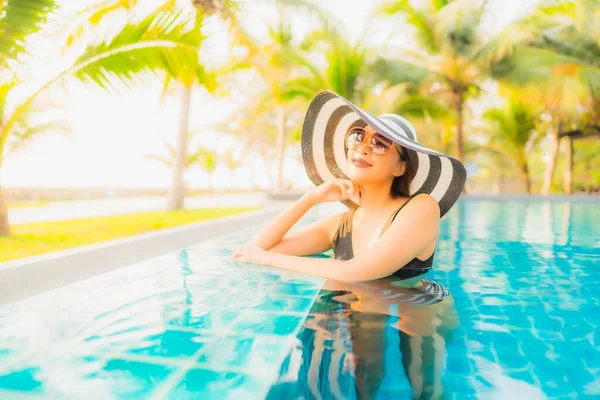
{"type": "Point", "coordinates": [360, 174]}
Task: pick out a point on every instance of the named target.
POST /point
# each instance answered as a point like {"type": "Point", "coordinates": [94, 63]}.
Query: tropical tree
{"type": "Point", "coordinates": [42, 117]}
{"type": "Point", "coordinates": [18, 20]}
{"type": "Point", "coordinates": [232, 160]}
{"type": "Point", "coordinates": [192, 158]}
{"type": "Point", "coordinates": [453, 56]}
{"type": "Point", "coordinates": [195, 157]}
{"type": "Point", "coordinates": [162, 41]}
{"type": "Point", "coordinates": [275, 62]}
{"type": "Point", "coordinates": [558, 57]}
{"type": "Point", "coordinates": [513, 133]}
{"type": "Point", "coordinates": [570, 29]}
{"type": "Point", "coordinates": [208, 162]}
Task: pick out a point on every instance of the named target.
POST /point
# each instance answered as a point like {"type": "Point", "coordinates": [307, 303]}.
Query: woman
{"type": "Point", "coordinates": [397, 191]}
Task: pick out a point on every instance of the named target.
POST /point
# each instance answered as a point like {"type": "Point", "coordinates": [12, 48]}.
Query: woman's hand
{"type": "Point", "coordinates": [251, 253]}
{"type": "Point", "coordinates": [336, 190]}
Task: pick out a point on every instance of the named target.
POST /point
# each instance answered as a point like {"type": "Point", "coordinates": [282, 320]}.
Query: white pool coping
{"type": "Point", "coordinates": [33, 275]}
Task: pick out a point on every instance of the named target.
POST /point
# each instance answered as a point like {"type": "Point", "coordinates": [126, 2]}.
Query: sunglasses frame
{"type": "Point", "coordinates": [369, 137]}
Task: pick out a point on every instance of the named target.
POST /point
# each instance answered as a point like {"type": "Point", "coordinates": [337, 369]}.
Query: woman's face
{"type": "Point", "coordinates": [369, 165]}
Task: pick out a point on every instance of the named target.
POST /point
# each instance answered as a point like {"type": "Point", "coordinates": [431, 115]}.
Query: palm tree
{"type": "Point", "coordinates": [193, 75]}
{"type": "Point", "coordinates": [570, 29]}
{"type": "Point", "coordinates": [20, 19]}
{"type": "Point", "coordinates": [195, 157]}
{"type": "Point", "coordinates": [39, 119]}
{"type": "Point", "coordinates": [356, 72]}
{"type": "Point", "coordinates": [162, 41]}
{"type": "Point", "coordinates": [208, 162]}
{"type": "Point", "coordinates": [559, 58]}
{"type": "Point", "coordinates": [275, 62]}
{"type": "Point", "coordinates": [233, 161]}
{"type": "Point", "coordinates": [453, 58]}
{"type": "Point", "coordinates": [513, 133]}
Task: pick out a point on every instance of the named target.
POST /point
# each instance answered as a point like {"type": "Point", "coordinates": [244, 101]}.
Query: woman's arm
{"type": "Point", "coordinates": [277, 228]}
{"type": "Point", "coordinates": [403, 241]}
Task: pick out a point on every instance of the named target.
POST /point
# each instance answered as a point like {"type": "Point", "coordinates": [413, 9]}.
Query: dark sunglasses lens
{"type": "Point", "coordinates": [355, 138]}
{"type": "Point", "coordinates": [379, 146]}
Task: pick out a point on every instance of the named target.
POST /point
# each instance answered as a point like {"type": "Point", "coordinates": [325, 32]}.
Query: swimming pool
{"type": "Point", "coordinates": [512, 311]}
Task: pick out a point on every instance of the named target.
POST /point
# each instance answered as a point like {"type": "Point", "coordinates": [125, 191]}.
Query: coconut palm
{"type": "Point", "coordinates": [162, 41]}
{"type": "Point", "coordinates": [208, 161]}
{"type": "Point", "coordinates": [559, 58]}
{"type": "Point", "coordinates": [356, 72]}
{"type": "Point", "coordinates": [194, 157]}
{"type": "Point", "coordinates": [513, 133]}
{"type": "Point", "coordinates": [19, 20]}
{"type": "Point", "coordinates": [570, 29]}
{"type": "Point", "coordinates": [232, 160]}
{"type": "Point", "coordinates": [453, 57]}
{"type": "Point", "coordinates": [275, 63]}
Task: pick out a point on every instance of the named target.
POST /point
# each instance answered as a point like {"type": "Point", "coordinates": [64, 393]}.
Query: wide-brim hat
{"type": "Point", "coordinates": [328, 118]}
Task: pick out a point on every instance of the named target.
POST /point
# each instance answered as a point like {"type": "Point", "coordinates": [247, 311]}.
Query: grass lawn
{"type": "Point", "coordinates": [28, 204]}
{"type": "Point", "coordinates": [44, 237]}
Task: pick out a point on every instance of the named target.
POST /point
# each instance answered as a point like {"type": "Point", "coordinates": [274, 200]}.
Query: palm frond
{"type": "Point", "coordinates": [422, 107]}
{"type": "Point", "coordinates": [162, 159]}
{"type": "Point", "coordinates": [301, 87]}
{"type": "Point", "coordinates": [18, 20]}
{"type": "Point", "coordinates": [391, 7]}
{"type": "Point", "coordinates": [583, 49]}
{"type": "Point", "coordinates": [160, 42]}
{"type": "Point", "coordinates": [26, 132]}
{"type": "Point", "coordinates": [5, 88]}
{"type": "Point", "coordinates": [398, 71]}
{"type": "Point", "coordinates": [459, 24]}
{"type": "Point", "coordinates": [91, 16]}
{"type": "Point", "coordinates": [422, 20]}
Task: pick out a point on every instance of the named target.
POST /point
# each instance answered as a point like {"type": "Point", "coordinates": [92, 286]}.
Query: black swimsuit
{"type": "Point", "coordinates": [342, 246]}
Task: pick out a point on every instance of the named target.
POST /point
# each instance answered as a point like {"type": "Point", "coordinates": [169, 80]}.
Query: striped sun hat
{"type": "Point", "coordinates": [329, 117]}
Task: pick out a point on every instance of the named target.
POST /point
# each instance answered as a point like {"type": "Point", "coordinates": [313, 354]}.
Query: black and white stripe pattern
{"type": "Point", "coordinates": [329, 117]}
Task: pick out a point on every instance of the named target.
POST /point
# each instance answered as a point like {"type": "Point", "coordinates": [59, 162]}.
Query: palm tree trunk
{"type": "Point", "coordinates": [176, 194]}
{"type": "Point", "coordinates": [280, 146]}
{"type": "Point", "coordinates": [526, 178]}
{"type": "Point", "coordinates": [459, 103]}
{"type": "Point", "coordinates": [568, 165]}
{"type": "Point", "coordinates": [549, 174]}
{"type": "Point", "coordinates": [4, 224]}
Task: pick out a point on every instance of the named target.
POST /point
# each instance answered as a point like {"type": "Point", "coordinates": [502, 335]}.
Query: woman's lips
{"type": "Point", "coordinates": [360, 163]}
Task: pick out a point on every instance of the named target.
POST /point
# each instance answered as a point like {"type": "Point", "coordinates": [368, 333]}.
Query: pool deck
{"type": "Point", "coordinates": [33, 275]}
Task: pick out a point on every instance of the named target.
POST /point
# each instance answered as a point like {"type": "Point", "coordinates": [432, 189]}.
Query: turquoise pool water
{"type": "Point", "coordinates": [511, 310]}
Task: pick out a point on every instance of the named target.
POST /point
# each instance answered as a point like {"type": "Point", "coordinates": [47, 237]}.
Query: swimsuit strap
{"type": "Point", "coordinates": [393, 216]}
{"type": "Point", "coordinates": [347, 218]}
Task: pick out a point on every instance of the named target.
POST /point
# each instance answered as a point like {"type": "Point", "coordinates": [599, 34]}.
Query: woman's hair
{"type": "Point", "coordinates": [401, 183]}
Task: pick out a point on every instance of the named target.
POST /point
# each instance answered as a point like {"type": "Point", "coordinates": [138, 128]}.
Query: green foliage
{"type": "Point", "coordinates": [163, 41]}
{"type": "Point", "coordinates": [18, 20]}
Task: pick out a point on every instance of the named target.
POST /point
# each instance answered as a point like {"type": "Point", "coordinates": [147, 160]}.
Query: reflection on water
{"type": "Point", "coordinates": [371, 340]}
{"type": "Point", "coordinates": [194, 324]}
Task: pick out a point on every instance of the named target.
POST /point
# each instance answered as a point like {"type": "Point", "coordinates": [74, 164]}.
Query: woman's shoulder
{"type": "Point", "coordinates": [424, 203]}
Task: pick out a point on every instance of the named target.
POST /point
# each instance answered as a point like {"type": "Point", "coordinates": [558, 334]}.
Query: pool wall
{"type": "Point", "coordinates": [33, 275]}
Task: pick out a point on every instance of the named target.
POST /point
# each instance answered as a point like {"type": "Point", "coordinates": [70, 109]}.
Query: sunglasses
{"type": "Point", "coordinates": [379, 145]}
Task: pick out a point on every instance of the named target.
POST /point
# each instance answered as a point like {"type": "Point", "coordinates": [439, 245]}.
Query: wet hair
{"type": "Point", "coordinates": [401, 184]}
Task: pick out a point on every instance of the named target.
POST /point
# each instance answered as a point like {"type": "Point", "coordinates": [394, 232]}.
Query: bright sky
{"type": "Point", "coordinates": [112, 135]}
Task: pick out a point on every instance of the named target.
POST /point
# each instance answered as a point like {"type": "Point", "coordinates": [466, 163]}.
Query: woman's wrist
{"type": "Point", "coordinates": [309, 198]}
